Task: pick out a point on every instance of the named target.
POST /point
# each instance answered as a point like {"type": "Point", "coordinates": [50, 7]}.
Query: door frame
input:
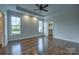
{"type": "Point", "coordinates": [2, 28]}
{"type": "Point", "coordinates": [5, 29]}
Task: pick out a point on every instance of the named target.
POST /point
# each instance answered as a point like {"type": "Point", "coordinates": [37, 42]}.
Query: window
{"type": "Point", "coordinates": [15, 25]}
{"type": "Point", "coordinates": [40, 26]}
{"type": "Point", "coordinates": [46, 28]}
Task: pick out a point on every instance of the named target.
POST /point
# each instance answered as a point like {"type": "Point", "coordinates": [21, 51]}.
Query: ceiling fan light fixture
{"type": "Point", "coordinates": [42, 7]}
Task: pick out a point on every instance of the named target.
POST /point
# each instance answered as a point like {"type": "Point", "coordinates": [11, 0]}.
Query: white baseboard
{"type": "Point", "coordinates": [65, 39]}
{"type": "Point", "coordinates": [20, 38]}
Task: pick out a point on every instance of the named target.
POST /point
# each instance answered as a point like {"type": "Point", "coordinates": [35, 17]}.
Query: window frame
{"type": "Point", "coordinates": [39, 26]}
{"type": "Point", "coordinates": [16, 25]}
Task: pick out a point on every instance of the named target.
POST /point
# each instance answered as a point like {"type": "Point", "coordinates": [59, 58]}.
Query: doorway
{"type": "Point", "coordinates": [48, 27]}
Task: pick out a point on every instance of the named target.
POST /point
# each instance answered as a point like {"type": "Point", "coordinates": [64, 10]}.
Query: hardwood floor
{"type": "Point", "coordinates": [40, 46]}
{"type": "Point", "coordinates": [2, 50]}
{"type": "Point", "coordinates": [22, 47]}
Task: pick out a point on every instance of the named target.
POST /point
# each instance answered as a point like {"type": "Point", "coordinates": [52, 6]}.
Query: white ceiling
{"type": "Point", "coordinates": [52, 8]}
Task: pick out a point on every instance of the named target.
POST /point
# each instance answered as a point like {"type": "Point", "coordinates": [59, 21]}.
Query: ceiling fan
{"type": "Point", "coordinates": [42, 7]}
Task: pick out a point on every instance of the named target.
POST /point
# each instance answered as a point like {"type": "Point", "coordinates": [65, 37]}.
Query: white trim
{"type": "Point", "coordinates": [60, 38]}
{"type": "Point", "coordinates": [20, 38]}
{"type": "Point", "coordinates": [19, 25]}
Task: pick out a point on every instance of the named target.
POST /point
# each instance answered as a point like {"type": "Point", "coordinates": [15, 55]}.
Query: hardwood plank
{"type": "Point", "coordinates": [36, 46]}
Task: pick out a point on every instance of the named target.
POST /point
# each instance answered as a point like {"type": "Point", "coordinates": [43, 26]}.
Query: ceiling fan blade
{"type": "Point", "coordinates": [45, 10]}
{"type": "Point", "coordinates": [37, 5]}
{"type": "Point", "coordinates": [45, 6]}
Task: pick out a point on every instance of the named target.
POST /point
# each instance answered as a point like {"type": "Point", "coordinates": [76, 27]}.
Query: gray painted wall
{"type": "Point", "coordinates": [29, 26]}
{"type": "Point", "coordinates": [66, 23]}
{"type": "Point", "coordinates": [28, 29]}
{"type": "Point", "coordinates": [26, 34]}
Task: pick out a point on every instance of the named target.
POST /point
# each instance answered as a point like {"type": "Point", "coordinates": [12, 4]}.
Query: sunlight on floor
{"type": "Point", "coordinates": [16, 49]}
